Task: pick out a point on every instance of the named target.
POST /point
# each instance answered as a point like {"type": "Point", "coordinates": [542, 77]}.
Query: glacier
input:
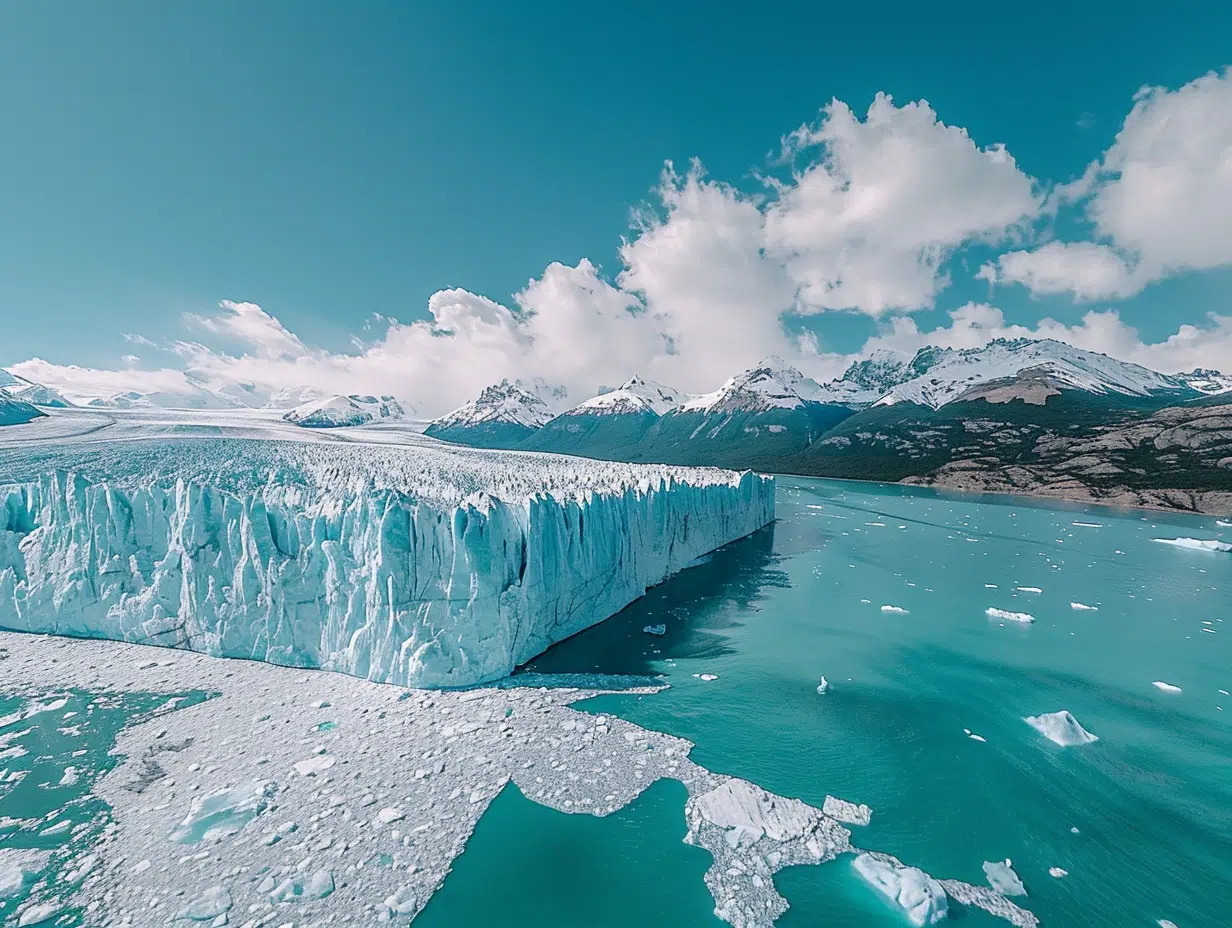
{"type": "Point", "coordinates": [397, 559]}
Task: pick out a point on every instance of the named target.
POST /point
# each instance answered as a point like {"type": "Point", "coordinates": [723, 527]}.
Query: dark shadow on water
{"type": "Point", "coordinates": [693, 606]}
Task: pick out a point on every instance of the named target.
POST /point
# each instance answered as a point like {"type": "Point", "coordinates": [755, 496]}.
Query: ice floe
{"type": "Point", "coordinates": [1083, 607]}
{"type": "Point", "coordinates": [198, 793]}
{"type": "Point", "coordinates": [1028, 589]}
{"type": "Point", "coordinates": [1060, 728]}
{"type": "Point", "coordinates": [1003, 879]}
{"type": "Point", "coordinates": [1166, 687]}
{"type": "Point", "coordinates": [896, 610]}
{"type": "Point", "coordinates": [1057, 873]}
{"type": "Point", "coordinates": [994, 613]}
{"type": "Point", "coordinates": [1196, 544]}
{"type": "Point", "coordinates": [655, 629]}
{"type": "Point", "coordinates": [19, 868]}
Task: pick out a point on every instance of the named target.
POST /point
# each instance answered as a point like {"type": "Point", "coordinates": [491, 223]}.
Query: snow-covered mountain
{"type": "Point", "coordinates": [505, 402]}
{"type": "Point", "coordinates": [940, 375]}
{"type": "Point", "coordinates": [14, 411]}
{"type": "Point", "coordinates": [502, 416]}
{"type": "Point", "coordinates": [1207, 381]}
{"type": "Point", "coordinates": [38, 395]}
{"type": "Point", "coordinates": [772, 384]}
{"type": "Point", "coordinates": [343, 411]}
{"type": "Point", "coordinates": [634, 396]}
{"type": "Point", "coordinates": [869, 379]}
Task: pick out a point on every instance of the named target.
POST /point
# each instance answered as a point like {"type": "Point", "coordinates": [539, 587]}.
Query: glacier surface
{"type": "Point", "coordinates": [387, 556]}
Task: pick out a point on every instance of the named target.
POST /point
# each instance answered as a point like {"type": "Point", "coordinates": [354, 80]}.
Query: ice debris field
{"type": "Point", "coordinates": [375, 551]}
{"type": "Point", "coordinates": [310, 798]}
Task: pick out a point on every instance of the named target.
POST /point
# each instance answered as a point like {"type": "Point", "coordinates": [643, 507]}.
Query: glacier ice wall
{"type": "Point", "coordinates": [369, 581]}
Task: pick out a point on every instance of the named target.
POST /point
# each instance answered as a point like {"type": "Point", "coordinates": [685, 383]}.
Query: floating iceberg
{"type": "Point", "coordinates": [1060, 728]}
{"type": "Point", "coordinates": [823, 686]}
{"type": "Point", "coordinates": [917, 893]}
{"type": "Point", "coordinates": [896, 610]}
{"type": "Point", "coordinates": [1166, 687]}
{"type": "Point", "coordinates": [1003, 879]}
{"type": "Point", "coordinates": [415, 563]}
{"type": "Point", "coordinates": [1083, 607]}
{"type": "Point", "coordinates": [994, 613]}
{"type": "Point", "coordinates": [1196, 544]}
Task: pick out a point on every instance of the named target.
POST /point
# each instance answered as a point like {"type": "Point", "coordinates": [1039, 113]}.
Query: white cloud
{"type": "Point", "coordinates": [1088, 270]}
{"type": "Point", "coordinates": [705, 282]}
{"type": "Point", "coordinates": [869, 224]}
{"type": "Point", "coordinates": [251, 326]}
{"type": "Point", "coordinates": [1158, 201]}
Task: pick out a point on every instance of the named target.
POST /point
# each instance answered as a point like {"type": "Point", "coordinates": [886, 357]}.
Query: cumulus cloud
{"type": "Point", "coordinates": [871, 221]}
{"type": "Point", "coordinates": [1158, 201]}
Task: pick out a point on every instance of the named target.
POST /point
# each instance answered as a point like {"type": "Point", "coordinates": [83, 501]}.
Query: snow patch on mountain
{"type": "Point", "coordinates": [344, 411]}
{"type": "Point", "coordinates": [941, 375]}
{"type": "Point", "coordinates": [773, 384]}
{"type": "Point", "coordinates": [634, 396]}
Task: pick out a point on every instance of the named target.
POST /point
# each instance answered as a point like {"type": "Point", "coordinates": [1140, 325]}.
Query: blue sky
{"type": "Point", "coordinates": [331, 161]}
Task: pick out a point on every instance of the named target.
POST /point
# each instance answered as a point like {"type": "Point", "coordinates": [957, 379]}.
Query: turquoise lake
{"type": "Point", "coordinates": [1151, 799]}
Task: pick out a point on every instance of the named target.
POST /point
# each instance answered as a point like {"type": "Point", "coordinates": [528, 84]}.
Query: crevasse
{"type": "Point", "coordinates": [372, 582]}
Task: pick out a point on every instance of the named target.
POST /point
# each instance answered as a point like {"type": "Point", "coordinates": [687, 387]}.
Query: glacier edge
{"type": "Point", "coordinates": [372, 582]}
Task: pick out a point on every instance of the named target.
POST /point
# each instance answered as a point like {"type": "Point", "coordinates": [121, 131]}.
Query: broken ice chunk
{"type": "Point", "coordinates": [1166, 687]}
{"type": "Point", "coordinates": [655, 629]}
{"type": "Point", "coordinates": [896, 610]}
{"type": "Point", "coordinates": [1060, 728]}
{"type": "Point", "coordinates": [917, 893]}
{"type": "Point", "coordinates": [224, 812]}
{"type": "Point", "coordinates": [1003, 879]}
{"type": "Point", "coordinates": [823, 686]}
{"type": "Point", "coordinates": [848, 812]}
{"type": "Point", "coordinates": [212, 903]}
{"type": "Point", "coordinates": [1057, 872]}
{"type": "Point", "coordinates": [994, 613]}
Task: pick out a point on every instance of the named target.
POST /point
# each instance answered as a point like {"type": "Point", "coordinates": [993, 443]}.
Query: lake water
{"type": "Point", "coordinates": [1151, 800]}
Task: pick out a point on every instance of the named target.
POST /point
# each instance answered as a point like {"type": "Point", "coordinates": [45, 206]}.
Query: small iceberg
{"type": "Point", "coordinates": [1028, 589]}
{"type": "Point", "coordinates": [994, 613]}
{"type": "Point", "coordinates": [896, 610]}
{"type": "Point", "coordinates": [1056, 872]}
{"type": "Point", "coordinates": [1083, 607]}
{"type": "Point", "coordinates": [1196, 544]}
{"type": "Point", "coordinates": [917, 893]}
{"type": "Point", "coordinates": [823, 686]}
{"type": "Point", "coordinates": [706, 676]}
{"type": "Point", "coordinates": [1060, 728]}
{"type": "Point", "coordinates": [973, 736]}
{"type": "Point", "coordinates": [1003, 879]}
{"type": "Point", "coordinates": [1166, 687]}
{"type": "Point", "coordinates": [1089, 524]}
{"type": "Point", "coordinates": [655, 629]}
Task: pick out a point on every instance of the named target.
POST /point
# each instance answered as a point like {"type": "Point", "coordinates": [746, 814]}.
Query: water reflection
{"type": "Point", "coordinates": [693, 607]}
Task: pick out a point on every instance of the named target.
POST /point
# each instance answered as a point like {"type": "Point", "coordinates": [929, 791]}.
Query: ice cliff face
{"type": "Point", "coordinates": [418, 566]}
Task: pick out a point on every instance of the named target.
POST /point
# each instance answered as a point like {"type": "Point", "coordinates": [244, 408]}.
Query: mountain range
{"type": "Point", "coordinates": [1024, 415]}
